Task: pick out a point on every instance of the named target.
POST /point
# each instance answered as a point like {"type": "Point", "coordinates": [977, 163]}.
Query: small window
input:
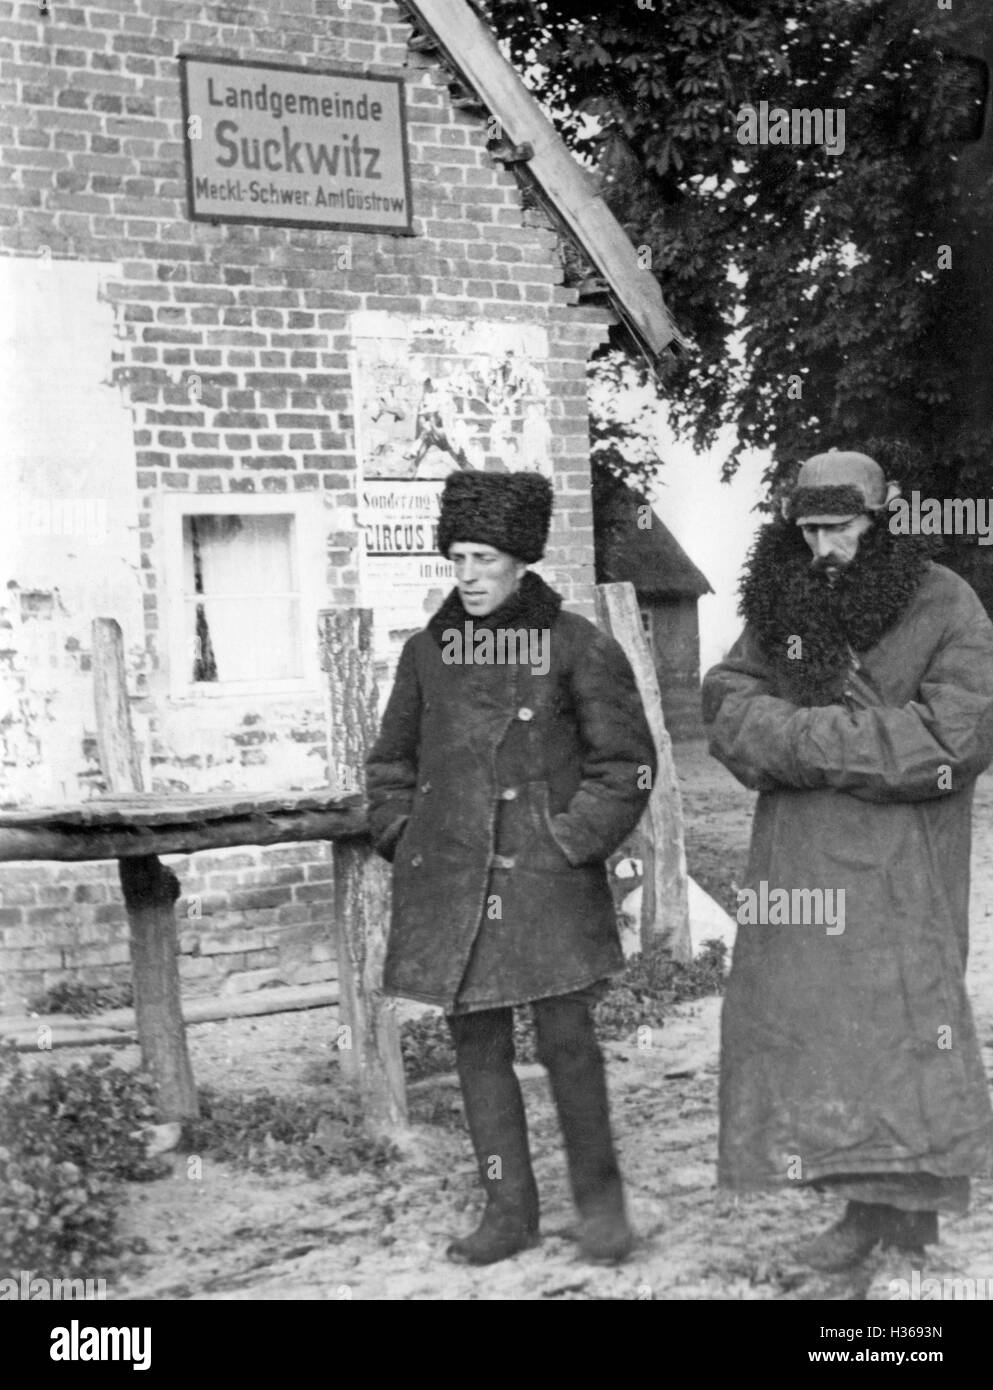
{"type": "Point", "coordinates": [241, 599]}
{"type": "Point", "coordinates": [646, 626]}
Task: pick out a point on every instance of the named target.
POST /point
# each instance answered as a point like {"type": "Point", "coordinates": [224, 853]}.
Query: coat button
{"type": "Point", "coordinates": [503, 861]}
{"type": "Point", "coordinates": [525, 713]}
{"type": "Point", "coordinates": [417, 860]}
{"type": "Point", "coordinates": [508, 794]}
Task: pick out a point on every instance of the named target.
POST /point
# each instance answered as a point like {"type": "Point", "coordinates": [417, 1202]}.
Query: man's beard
{"type": "Point", "coordinates": [828, 567]}
{"type": "Point", "coordinates": [834, 606]}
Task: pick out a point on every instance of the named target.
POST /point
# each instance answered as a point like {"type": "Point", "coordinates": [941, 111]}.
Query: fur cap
{"type": "Point", "coordinates": [511, 511]}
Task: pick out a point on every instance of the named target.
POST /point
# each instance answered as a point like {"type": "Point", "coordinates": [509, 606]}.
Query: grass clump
{"type": "Point", "coordinates": [266, 1133]}
{"type": "Point", "coordinates": [67, 1141]}
{"type": "Point", "coordinates": [71, 997]}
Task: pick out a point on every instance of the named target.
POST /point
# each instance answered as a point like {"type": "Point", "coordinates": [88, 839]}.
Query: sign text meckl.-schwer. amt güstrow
{"type": "Point", "coordinates": [329, 148]}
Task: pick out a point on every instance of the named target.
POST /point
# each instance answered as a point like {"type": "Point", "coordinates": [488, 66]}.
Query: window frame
{"type": "Point", "coordinates": [306, 511]}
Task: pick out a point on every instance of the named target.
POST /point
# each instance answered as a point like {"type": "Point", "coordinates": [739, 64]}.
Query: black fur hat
{"type": "Point", "coordinates": [511, 511]}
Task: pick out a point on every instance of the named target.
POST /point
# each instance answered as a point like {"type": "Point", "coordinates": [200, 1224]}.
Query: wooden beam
{"type": "Point", "coordinates": [150, 891]}
{"type": "Point", "coordinates": [513, 154]}
{"type": "Point", "coordinates": [117, 1026]}
{"type": "Point", "coordinates": [658, 840]}
{"type": "Point", "coordinates": [370, 1051]}
{"type": "Point", "coordinates": [471, 48]}
{"type": "Point", "coordinates": [77, 846]}
{"type": "Point", "coordinates": [119, 760]}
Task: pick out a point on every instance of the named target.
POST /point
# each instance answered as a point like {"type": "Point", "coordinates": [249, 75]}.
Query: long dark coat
{"type": "Point", "coordinates": [855, 1052]}
{"type": "Point", "coordinates": [498, 793]}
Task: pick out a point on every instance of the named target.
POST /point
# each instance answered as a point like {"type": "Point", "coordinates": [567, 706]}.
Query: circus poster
{"type": "Point", "coordinates": [432, 396]}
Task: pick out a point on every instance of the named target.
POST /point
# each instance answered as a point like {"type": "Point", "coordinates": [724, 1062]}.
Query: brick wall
{"type": "Point", "coordinates": [93, 172]}
{"type": "Point", "coordinates": [247, 918]}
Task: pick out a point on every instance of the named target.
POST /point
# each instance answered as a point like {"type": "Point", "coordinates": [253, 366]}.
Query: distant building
{"type": "Point", "coordinates": [634, 545]}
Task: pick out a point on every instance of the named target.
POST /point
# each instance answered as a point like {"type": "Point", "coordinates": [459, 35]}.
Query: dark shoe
{"type": "Point", "coordinates": [604, 1233]}
{"type": "Point", "coordinates": [494, 1108]}
{"type": "Point", "coordinates": [847, 1242]}
{"type": "Point", "coordinates": [910, 1231]}
{"type": "Point", "coordinates": [568, 1048]}
{"type": "Point", "coordinates": [498, 1236]}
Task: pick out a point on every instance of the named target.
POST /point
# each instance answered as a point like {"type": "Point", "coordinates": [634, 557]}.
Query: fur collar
{"type": "Point", "coordinates": [534, 605]}
{"type": "Point", "coordinates": [783, 599]}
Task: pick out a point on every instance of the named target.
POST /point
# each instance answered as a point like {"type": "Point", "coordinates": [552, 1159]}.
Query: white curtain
{"type": "Point", "coordinates": [242, 598]}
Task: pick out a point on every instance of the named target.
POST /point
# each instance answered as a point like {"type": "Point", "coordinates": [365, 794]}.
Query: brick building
{"type": "Point", "coordinates": [230, 394]}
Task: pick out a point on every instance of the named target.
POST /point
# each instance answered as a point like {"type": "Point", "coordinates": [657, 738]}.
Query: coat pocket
{"type": "Point", "coordinates": [388, 842]}
{"type": "Point", "coordinates": [542, 817]}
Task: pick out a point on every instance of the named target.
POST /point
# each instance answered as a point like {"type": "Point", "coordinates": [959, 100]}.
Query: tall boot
{"type": "Point", "coordinates": [909, 1231]}
{"type": "Point", "coordinates": [494, 1108]}
{"type": "Point", "coordinates": [864, 1226]}
{"type": "Point", "coordinates": [568, 1048]}
{"type": "Point", "coordinates": [846, 1242]}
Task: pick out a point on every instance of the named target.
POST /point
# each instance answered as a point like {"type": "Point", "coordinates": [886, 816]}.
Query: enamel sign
{"type": "Point", "coordinates": [294, 147]}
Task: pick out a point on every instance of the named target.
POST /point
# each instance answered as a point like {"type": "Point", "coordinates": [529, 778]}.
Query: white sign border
{"type": "Point", "coordinates": [216, 218]}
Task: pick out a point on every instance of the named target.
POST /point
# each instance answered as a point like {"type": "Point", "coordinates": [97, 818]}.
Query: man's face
{"type": "Point", "coordinates": [834, 544]}
{"type": "Point", "coordinates": [486, 576]}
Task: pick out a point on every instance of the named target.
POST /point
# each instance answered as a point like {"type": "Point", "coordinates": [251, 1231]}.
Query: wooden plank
{"type": "Point", "coordinates": [150, 892]}
{"type": "Point", "coordinates": [80, 845]}
{"type": "Point", "coordinates": [658, 841]}
{"type": "Point", "coordinates": [370, 1052]}
{"type": "Point", "coordinates": [119, 760]}
{"type": "Point", "coordinates": [472, 50]}
{"type": "Point", "coordinates": [117, 1026]}
{"type": "Point", "coordinates": [156, 808]}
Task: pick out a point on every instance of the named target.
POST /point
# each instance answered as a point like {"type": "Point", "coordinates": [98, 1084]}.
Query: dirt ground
{"type": "Point", "coordinates": [380, 1234]}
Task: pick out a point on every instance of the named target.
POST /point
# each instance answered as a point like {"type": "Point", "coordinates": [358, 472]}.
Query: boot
{"type": "Point", "coordinates": [847, 1242]}
{"type": "Point", "coordinates": [568, 1048]}
{"type": "Point", "coordinates": [494, 1108]}
{"type": "Point", "coordinates": [910, 1231]}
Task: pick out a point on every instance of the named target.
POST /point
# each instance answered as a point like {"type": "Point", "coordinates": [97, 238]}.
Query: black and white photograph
{"type": "Point", "coordinates": [496, 668]}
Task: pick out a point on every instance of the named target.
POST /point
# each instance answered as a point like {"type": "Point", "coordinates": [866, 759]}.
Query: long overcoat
{"type": "Point", "coordinates": [498, 792]}
{"type": "Point", "coordinates": [854, 1052]}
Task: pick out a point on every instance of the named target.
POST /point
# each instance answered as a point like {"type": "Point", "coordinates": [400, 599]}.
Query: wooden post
{"type": "Point", "coordinates": [150, 890]}
{"type": "Point", "coordinates": [371, 1052]}
{"type": "Point", "coordinates": [665, 914]}
{"type": "Point", "coordinates": [119, 761]}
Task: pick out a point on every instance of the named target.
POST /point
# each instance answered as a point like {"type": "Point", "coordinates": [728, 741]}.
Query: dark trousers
{"type": "Point", "coordinates": [568, 1048]}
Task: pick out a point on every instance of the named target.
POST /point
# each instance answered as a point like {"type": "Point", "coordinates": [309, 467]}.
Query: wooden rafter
{"type": "Point", "coordinates": [468, 48]}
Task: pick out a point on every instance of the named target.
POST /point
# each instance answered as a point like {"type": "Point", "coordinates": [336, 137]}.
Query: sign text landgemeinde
{"type": "Point", "coordinates": [276, 144]}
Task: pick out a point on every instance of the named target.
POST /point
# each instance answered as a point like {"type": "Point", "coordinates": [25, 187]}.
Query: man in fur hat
{"type": "Point", "coordinates": [497, 787]}
{"type": "Point", "coordinates": [859, 704]}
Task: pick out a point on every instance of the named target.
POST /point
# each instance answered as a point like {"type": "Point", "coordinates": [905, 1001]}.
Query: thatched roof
{"type": "Point", "coordinates": [649, 557]}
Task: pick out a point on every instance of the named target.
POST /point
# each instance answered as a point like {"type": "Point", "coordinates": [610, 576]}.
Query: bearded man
{"type": "Point", "coordinates": [498, 786]}
{"type": "Point", "coordinates": [859, 703]}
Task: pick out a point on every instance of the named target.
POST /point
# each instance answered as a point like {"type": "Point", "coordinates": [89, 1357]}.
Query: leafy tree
{"type": "Point", "coordinates": [623, 448]}
{"type": "Point", "coordinates": [816, 286]}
